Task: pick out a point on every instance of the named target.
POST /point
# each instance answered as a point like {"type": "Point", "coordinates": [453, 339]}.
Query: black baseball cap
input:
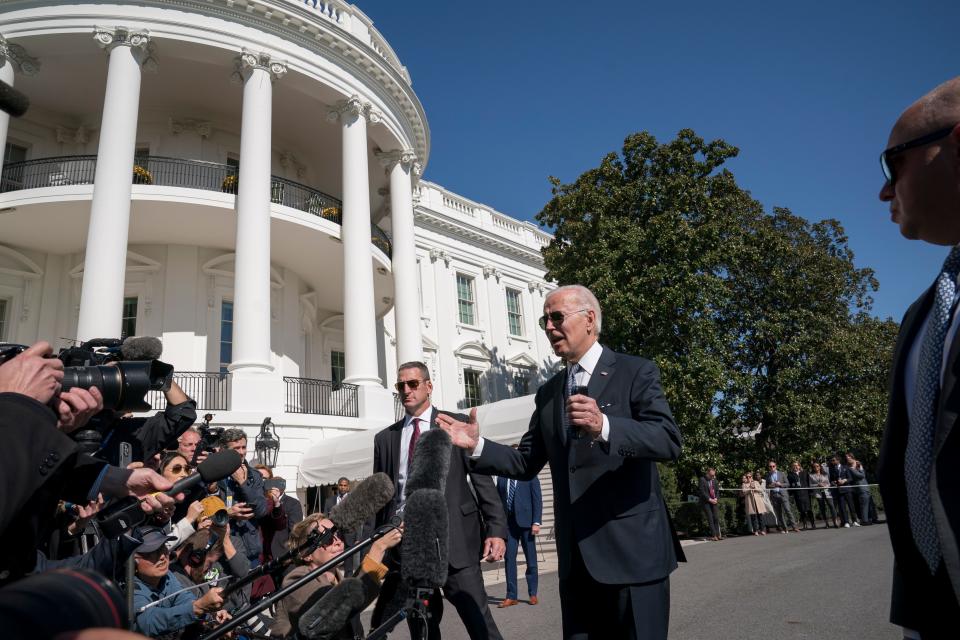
{"type": "Point", "coordinates": [152, 539]}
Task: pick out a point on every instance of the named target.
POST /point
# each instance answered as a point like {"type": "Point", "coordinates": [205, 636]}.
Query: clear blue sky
{"type": "Point", "coordinates": [517, 91]}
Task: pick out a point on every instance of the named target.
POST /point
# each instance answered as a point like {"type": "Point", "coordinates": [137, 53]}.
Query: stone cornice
{"type": "Point", "coordinates": [432, 220]}
{"type": "Point", "coordinates": [354, 106]}
{"type": "Point", "coordinates": [17, 56]}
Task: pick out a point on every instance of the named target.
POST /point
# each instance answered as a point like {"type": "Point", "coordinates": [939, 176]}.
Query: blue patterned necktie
{"type": "Point", "coordinates": [918, 458]}
{"type": "Point", "coordinates": [511, 493]}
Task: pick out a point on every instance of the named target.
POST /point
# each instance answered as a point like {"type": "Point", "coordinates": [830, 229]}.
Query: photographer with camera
{"type": "Point", "coordinates": [35, 417]}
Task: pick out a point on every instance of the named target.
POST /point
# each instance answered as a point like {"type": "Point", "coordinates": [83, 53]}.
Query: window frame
{"type": "Point", "coordinates": [471, 281]}
{"type": "Point", "coordinates": [518, 313]}
{"type": "Point", "coordinates": [221, 367]}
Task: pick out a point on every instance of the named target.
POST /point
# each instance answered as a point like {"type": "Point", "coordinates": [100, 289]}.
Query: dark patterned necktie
{"type": "Point", "coordinates": [413, 442]}
{"type": "Point", "coordinates": [568, 391]}
{"type": "Point", "coordinates": [918, 457]}
{"type": "Point", "coordinates": [511, 494]}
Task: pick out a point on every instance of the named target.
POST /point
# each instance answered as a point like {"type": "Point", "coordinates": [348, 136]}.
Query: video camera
{"type": "Point", "coordinates": [209, 438]}
{"type": "Point", "coordinates": [105, 363]}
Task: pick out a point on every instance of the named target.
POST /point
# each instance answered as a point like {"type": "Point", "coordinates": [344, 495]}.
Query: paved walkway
{"type": "Point", "coordinates": [815, 584]}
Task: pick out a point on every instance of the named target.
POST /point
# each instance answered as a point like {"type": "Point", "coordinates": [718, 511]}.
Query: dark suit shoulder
{"type": "Point", "coordinates": [383, 433]}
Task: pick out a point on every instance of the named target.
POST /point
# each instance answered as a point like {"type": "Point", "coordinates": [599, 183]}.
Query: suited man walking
{"type": "Point", "coordinates": [477, 523]}
{"type": "Point", "coordinates": [616, 545]}
{"type": "Point", "coordinates": [921, 446]}
{"type": "Point", "coordinates": [523, 504]}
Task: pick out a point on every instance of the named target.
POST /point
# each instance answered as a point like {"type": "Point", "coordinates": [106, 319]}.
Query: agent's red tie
{"type": "Point", "coordinates": [413, 440]}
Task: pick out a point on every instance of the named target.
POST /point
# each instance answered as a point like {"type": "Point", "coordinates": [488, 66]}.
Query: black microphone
{"type": "Point", "coordinates": [431, 462]}
{"type": "Point", "coordinates": [332, 612]}
{"type": "Point", "coordinates": [12, 101]}
{"type": "Point", "coordinates": [423, 552]}
{"type": "Point", "coordinates": [361, 504]}
{"type": "Point", "coordinates": [127, 513]}
{"type": "Point", "coordinates": [141, 348]}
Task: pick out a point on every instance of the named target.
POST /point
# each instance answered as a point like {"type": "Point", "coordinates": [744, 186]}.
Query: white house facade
{"type": "Point", "coordinates": [242, 179]}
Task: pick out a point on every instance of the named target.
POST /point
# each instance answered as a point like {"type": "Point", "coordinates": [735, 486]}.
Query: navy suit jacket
{"type": "Point", "coordinates": [607, 497]}
{"type": "Point", "coordinates": [527, 502]}
{"type": "Point", "coordinates": [473, 508]}
{"type": "Point", "coordinates": [909, 567]}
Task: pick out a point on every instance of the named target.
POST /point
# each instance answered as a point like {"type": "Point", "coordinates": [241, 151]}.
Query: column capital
{"type": "Point", "coordinates": [108, 37]}
{"type": "Point", "coordinates": [356, 107]}
{"type": "Point", "coordinates": [406, 157]}
{"type": "Point", "coordinates": [18, 57]}
{"type": "Point", "coordinates": [249, 60]}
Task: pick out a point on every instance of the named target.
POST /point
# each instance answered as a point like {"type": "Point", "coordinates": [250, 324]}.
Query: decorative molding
{"type": "Point", "coordinates": [439, 254]}
{"type": "Point", "coordinates": [290, 161]}
{"type": "Point", "coordinates": [431, 220]}
{"type": "Point", "coordinates": [121, 36]}
{"type": "Point", "coordinates": [406, 157]}
{"type": "Point", "coordinates": [489, 270]}
{"type": "Point", "coordinates": [533, 285]}
{"type": "Point", "coordinates": [249, 60]}
{"type": "Point", "coordinates": [80, 135]}
{"type": "Point", "coordinates": [203, 128]}
{"type": "Point", "coordinates": [354, 106]}
{"type": "Point", "coordinates": [18, 57]}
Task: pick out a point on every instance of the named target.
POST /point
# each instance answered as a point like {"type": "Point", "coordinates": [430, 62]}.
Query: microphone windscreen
{"type": "Point", "coordinates": [423, 552]}
{"type": "Point", "coordinates": [219, 465]}
{"type": "Point", "coordinates": [141, 348]}
{"type": "Point", "coordinates": [12, 101]}
{"type": "Point", "coordinates": [363, 502]}
{"type": "Point", "coordinates": [324, 619]}
{"type": "Point", "coordinates": [431, 462]}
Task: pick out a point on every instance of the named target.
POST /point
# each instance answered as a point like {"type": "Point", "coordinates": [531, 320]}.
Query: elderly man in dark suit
{"type": "Point", "coordinates": [921, 445]}
{"type": "Point", "coordinates": [602, 423]}
{"type": "Point", "coordinates": [477, 522]}
{"type": "Point", "coordinates": [710, 502]}
{"type": "Point", "coordinates": [523, 504]}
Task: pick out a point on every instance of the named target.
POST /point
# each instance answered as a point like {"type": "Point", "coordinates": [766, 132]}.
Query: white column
{"type": "Point", "coordinates": [402, 166]}
{"type": "Point", "coordinates": [251, 288]}
{"type": "Point", "coordinates": [254, 385]}
{"type": "Point", "coordinates": [359, 311]}
{"type": "Point", "coordinates": [13, 57]}
{"type": "Point", "coordinates": [104, 267]}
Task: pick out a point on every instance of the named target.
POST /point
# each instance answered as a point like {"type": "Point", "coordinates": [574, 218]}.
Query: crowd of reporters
{"type": "Point", "coordinates": [184, 547]}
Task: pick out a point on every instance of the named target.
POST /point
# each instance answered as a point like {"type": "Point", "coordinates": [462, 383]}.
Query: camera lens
{"type": "Point", "coordinates": [109, 380]}
{"type": "Point", "coordinates": [220, 518]}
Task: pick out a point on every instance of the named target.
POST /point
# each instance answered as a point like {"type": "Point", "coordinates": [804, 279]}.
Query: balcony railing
{"type": "Point", "coordinates": [321, 397]}
{"type": "Point", "coordinates": [210, 390]}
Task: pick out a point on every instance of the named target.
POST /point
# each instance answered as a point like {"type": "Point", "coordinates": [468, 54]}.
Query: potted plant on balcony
{"type": "Point", "coordinates": [141, 175]}
{"type": "Point", "coordinates": [330, 213]}
{"type": "Point", "coordinates": [229, 184]}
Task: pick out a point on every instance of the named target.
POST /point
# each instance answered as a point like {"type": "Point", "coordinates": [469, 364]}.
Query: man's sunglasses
{"type": "Point", "coordinates": [557, 317]}
{"type": "Point", "coordinates": [412, 384]}
{"type": "Point", "coordinates": [887, 155]}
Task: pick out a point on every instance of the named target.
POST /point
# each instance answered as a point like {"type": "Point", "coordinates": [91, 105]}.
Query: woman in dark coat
{"type": "Point", "coordinates": [800, 488]}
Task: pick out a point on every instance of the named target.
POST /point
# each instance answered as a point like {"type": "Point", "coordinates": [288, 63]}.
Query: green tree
{"type": "Point", "coordinates": [753, 319]}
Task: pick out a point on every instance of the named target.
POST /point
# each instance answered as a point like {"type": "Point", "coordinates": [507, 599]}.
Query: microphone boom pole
{"type": "Point", "coordinates": [239, 617]}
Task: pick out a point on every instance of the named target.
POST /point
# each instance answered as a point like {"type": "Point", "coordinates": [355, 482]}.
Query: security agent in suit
{"type": "Point", "coordinates": [350, 538]}
{"type": "Point", "coordinates": [524, 511]}
{"type": "Point", "coordinates": [477, 522]}
{"type": "Point", "coordinates": [922, 171]}
{"type": "Point", "coordinates": [615, 542]}
{"type": "Point", "coordinates": [710, 501]}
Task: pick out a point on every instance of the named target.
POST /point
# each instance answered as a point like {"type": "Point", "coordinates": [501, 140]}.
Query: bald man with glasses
{"type": "Point", "coordinates": [921, 446]}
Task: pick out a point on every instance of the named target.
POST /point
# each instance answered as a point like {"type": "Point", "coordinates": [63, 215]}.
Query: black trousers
{"type": "Point", "coordinates": [595, 611]}
{"type": "Point", "coordinates": [463, 589]}
{"type": "Point", "coordinates": [713, 518]}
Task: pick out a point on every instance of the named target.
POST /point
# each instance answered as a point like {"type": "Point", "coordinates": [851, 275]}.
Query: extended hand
{"type": "Point", "coordinates": [33, 373]}
{"type": "Point", "coordinates": [584, 413]}
{"type": "Point", "coordinates": [75, 408]}
{"type": "Point", "coordinates": [493, 549]}
{"type": "Point", "coordinates": [145, 483]}
{"type": "Point", "coordinates": [465, 435]}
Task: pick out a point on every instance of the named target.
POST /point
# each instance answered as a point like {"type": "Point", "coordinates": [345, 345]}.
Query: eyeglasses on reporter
{"type": "Point", "coordinates": [557, 317]}
{"type": "Point", "coordinates": [888, 172]}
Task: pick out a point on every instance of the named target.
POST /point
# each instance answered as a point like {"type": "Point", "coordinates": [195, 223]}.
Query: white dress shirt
{"type": "Point", "coordinates": [405, 436]}
{"type": "Point", "coordinates": [587, 365]}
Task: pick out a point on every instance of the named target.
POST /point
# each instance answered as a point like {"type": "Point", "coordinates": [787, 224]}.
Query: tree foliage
{"type": "Point", "coordinates": [755, 319]}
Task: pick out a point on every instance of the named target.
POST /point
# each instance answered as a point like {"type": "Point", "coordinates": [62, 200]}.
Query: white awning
{"type": "Point", "coordinates": [351, 456]}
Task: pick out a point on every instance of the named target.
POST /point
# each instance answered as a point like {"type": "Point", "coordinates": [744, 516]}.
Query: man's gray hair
{"type": "Point", "coordinates": [941, 107]}
{"type": "Point", "coordinates": [584, 298]}
{"type": "Point", "coordinates": [192, 430]}
{"type": "Point", "coordinates": [415, 364]}
{"type": "Point", "coordinates": [232, 435]}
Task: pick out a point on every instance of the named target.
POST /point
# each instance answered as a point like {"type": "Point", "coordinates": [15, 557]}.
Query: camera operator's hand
{"type": "Point", "coordinates": [194, 511]}
{"type": "Point", "coordinates": [389, 540]}
{"type": "Point", "coordinates": [145, 483]}
{"type": "Point", "coordinates": [85, 514]}
{"type": "Point", "coordinates": [208, 602]}
{"type": "Point", "coordinates": [75, 408]}
{"type": "Point", "coordinates": [240, 475]}
{"type": "Point", "coordinates": [33, 373]}
{"type": "Point", "coordinates": [241, 511]}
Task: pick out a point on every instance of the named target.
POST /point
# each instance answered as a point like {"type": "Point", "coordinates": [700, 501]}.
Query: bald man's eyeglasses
{"type": "Point", "coordinates": [557, 317]}
{"type": "Point", "coordinates": [885, 157]}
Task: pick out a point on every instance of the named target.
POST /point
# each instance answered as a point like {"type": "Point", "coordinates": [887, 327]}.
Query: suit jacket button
{"type": "Point", "coordinates": [43, 469]}
{"type": "Point", "coordinates": [55, 456]}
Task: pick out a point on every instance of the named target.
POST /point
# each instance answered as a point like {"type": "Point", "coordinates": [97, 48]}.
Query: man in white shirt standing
{"type": "Point", "coordinates": [920, 451]}
{"type": "Point", "coordinates": [471, 536]}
